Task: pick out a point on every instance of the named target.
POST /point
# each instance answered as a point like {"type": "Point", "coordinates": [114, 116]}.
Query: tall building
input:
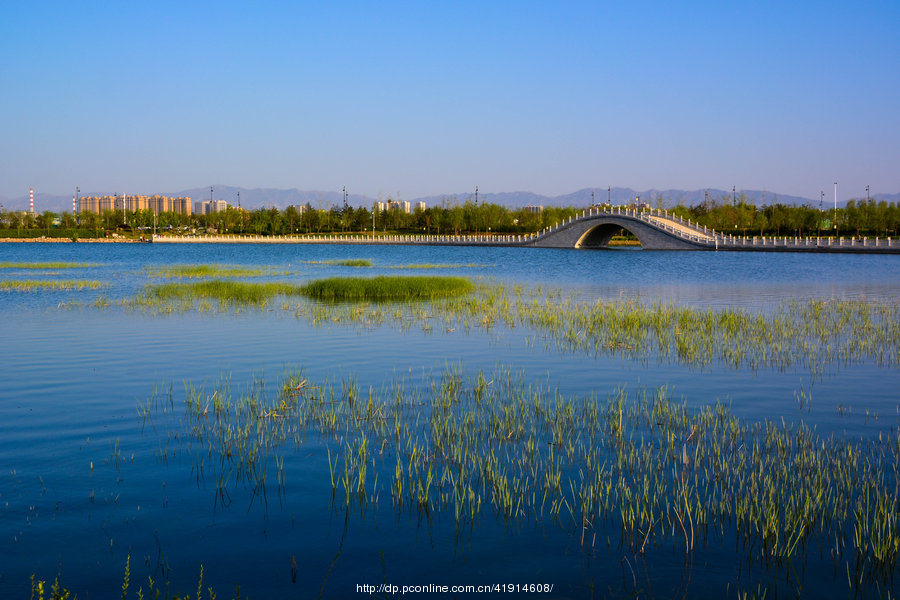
{"type": "Point", "coordinates": [157, 204]}
{"type": "Point", "coordinates": [206, 207]}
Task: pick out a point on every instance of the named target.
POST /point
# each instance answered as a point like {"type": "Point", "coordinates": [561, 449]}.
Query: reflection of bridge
{"type": "Point", "coordinates": [593, 228]}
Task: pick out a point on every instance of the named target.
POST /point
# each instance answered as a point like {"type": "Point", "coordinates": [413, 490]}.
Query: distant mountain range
{"type": "Point", "coordinates": [280, 199]}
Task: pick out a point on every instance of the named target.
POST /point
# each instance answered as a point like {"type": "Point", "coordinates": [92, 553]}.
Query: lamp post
{"type": "Point", "coordinates": [835, 207]}
{"type": "Point", "coordinates": [867, 194]}
{"type": "Point", "coordinates": [476, 210]}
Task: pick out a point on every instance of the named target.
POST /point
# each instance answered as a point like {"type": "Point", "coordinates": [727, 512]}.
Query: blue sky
{"type": "Point", "coordinates": [426, 98]}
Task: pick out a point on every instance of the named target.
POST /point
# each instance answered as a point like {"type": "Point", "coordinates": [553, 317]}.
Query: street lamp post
{"type": "Point", "coordinates": [476, 210]}
{"type": "Point", "coordinates": [835, 207]}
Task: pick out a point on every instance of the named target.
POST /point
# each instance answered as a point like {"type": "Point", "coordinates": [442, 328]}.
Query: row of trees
{"type": "Point", "coordinates": [724, 214]}
{"type": "Point", "coordinates": [741, 218]}
{"type": "Point", "coordinates": [449, 218]}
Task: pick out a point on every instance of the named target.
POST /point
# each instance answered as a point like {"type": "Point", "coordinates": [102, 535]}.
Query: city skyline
{"type": "Point", "coordinates": [427, 99]}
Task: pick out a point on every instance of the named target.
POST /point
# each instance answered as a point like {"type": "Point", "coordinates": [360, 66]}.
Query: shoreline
{"type": "Point", "coordinates": [69, 241]}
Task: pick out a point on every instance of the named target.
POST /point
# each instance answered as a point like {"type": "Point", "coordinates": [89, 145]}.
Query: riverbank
{"type": "Point", "coordinates": [71, 241]}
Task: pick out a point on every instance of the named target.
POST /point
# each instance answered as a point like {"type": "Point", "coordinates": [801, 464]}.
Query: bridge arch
{"type": "Point", "coordinates": [602, 233]}
{"type": "Point", "coordinates": [595, 231]}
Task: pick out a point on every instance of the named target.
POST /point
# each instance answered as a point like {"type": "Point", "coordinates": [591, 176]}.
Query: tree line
{"type": "Point", "coordinates": [739, 217]}
{"type": "Point", "coordinates": [725, 214]}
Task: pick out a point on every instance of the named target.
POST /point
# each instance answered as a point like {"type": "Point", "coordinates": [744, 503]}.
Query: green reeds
{"type": "Point", "coordinates": [154, 590]}
{"type": "Point", "coordinates": [31, 285]}
{"type": "Point", "coordinates": [203, 271]}
{"type": "Point", "coordinates": [348, 262]}
{"type": "Point", "coordinates": [812, 334]}
{"type": "Point", "coordinates": [645, 466]}
{"type": "Point", "coordinates": [224, 291]}
{"type": "Point", "coordinates": [425, 266]}
{"type": "Point", "coordinates": [45, 265]}
{"type": "Point", "coordinates": [386, 288]}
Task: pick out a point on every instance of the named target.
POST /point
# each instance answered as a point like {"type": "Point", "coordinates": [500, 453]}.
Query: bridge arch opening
{"type": "Point", "coordinates": [601, 236]}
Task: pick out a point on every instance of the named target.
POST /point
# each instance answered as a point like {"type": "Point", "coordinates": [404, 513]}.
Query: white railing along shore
{"type": "Point", "coordinates": [660, 219]}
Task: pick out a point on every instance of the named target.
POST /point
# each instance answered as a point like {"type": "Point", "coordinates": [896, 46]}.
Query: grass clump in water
{"type": "Point", "coordinates": [201, 271]}
{"type": "Point", "coordinates": [31, 285]}
{"type": "Point", "coordinates": [44, 265]}
{"type": "Point", "coordinates": [224, 291]}
{"type": "Point", "coordinates": [386, 288]}
{"type": "Point", "coordinates": [440, 266]}
{"type": "Point", "coordinates": [348, 262]}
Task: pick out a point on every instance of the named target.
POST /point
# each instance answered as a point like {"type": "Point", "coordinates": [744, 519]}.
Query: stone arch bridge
{"type": "Point", "coordinates": [654, 229]}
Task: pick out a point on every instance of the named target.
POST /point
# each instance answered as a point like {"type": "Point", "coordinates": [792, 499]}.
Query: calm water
{"type": "Point", "coordinates": [83, 485]}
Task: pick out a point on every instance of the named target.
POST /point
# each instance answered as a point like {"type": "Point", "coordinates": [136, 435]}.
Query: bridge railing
{"type": "Point", "coordinates": [657, 218]}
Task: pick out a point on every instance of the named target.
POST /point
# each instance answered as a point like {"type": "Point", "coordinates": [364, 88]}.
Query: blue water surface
{"type": "Point", "coordinates": [84, 485]}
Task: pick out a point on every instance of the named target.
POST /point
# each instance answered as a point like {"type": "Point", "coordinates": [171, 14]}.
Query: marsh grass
{"type": "Point", "coordinates": [45, 265]}
{"type": "Point", "coordinates": [155, 590]}
{"type": "Point", "coordinates": [425, 266]}
{"type": "Point", "coordinates": [32, 285]}
{"type": "Point", "coordinates": [347, 262]}
{"type": "Point", "coordinates": [811, 334]}
{"type": "Point", "coordinates": [640, 467]}
{"type": "Point", "coordinates": [224, 291]}
{"type": "Point", "coordinates": [386, 288]}
{"type": "Point", "coordinates": [203, 271]}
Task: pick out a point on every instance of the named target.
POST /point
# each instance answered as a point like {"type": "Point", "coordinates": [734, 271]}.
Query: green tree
{"type": "Point", "coordinates": [292, 218]}
{"type": "Point", "coordinates": [45, 219]}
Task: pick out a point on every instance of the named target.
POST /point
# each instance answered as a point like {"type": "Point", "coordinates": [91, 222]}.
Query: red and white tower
{"type": "Point", "coordinates": [31, 200]}
{"type": "Point", "coordinates": [73, 204]}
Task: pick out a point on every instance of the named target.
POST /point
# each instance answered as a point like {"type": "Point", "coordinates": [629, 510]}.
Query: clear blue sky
{"type": "Point", "coordinates": [434, 97]}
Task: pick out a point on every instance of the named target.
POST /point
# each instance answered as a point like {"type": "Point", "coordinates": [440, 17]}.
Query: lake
{"type": "Point", "coordinates": [109, 457]}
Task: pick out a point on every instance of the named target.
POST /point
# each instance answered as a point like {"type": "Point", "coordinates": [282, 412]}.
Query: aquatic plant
{"type": "Point", "coordinates": [225, 291]}
{"type": "Point", "coordinates": [154, 591]}
{"type": "Point", "coordinates": [199, 271]}
{"type": "Point", "coordinates": [45, 265]}
{"type": "Point", "coordinates": [30, 285]}
{"type": "Point", "coordinates": [811, 334]}
{"type": "Point", "coordinates": [641, 466]}
{"type": "Point", "coordinates": [424, 266]}
{"type": "Point", "coordinates": [348, 262]}
{"type": "Point", "coordinates": [386, 288]}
